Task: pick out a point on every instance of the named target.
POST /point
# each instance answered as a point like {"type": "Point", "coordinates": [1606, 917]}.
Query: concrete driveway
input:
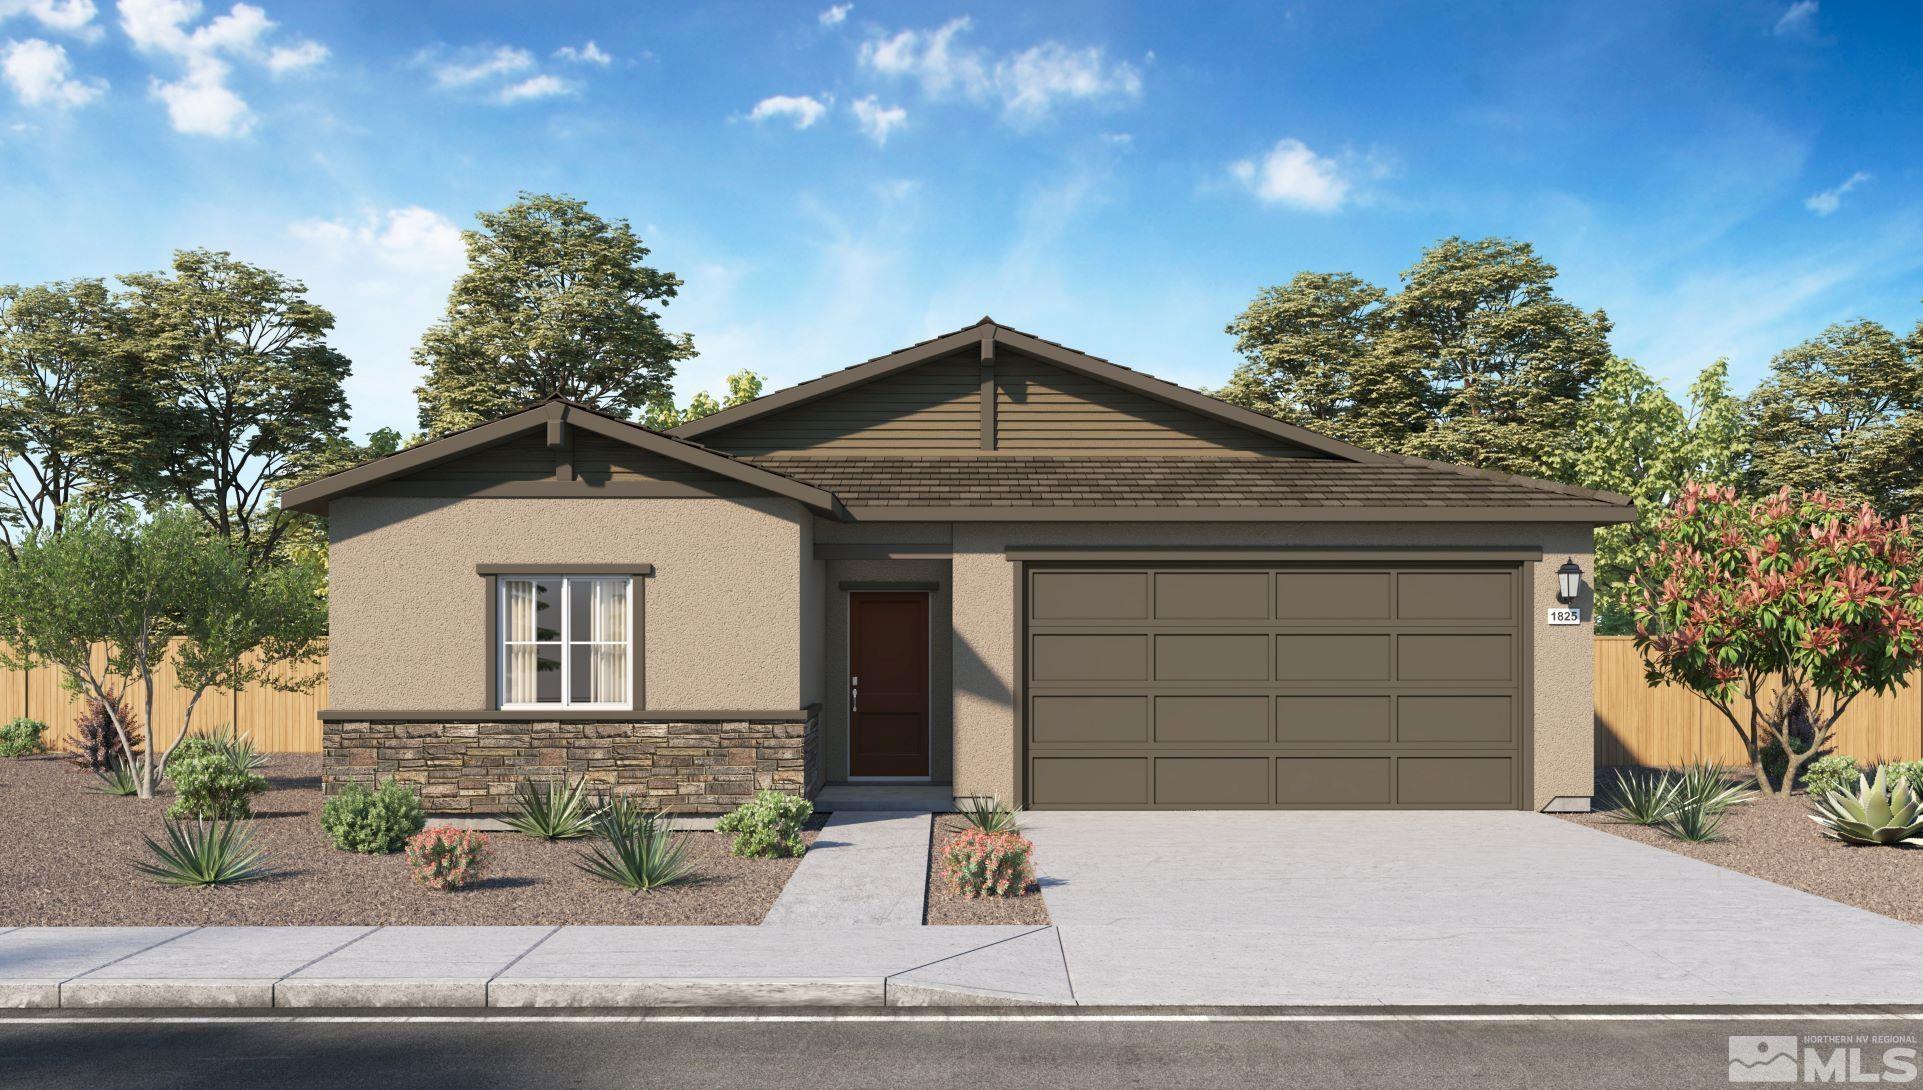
{"type": "Point", "coordinates": [1438, 907]}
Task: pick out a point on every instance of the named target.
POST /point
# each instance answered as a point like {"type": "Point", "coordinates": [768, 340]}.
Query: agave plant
{"type": "Point", "coordinates": [1876, 814]}
{"type": "Point", "coordinates": [204, 853]}
{"type": "Point", "coordinates": [989, 816]}
{"type": "Point", "coordinates": [1697, 820]}
{"type": "Point", "coordinates": [637, 848]}
{"type": "Point", "coordinates": [1645, 798]}
{"type": "Point", "coordinates": [556, 810]}
{"type": "Point", "coordinates": [117, 777]}
{"type": "Point", "coordinates": [1712, 785]}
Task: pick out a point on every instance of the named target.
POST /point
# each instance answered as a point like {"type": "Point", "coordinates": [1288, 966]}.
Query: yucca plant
{"type": "Point", "coordinates": [117, 778]}
{"type": "Point", "coordinates": [1876, 814]}
{"type": "Point", "coordinates": [1712, 785]}
{"type": "Point", "coordinates": [987, 815]}
{"type": "Point", "coordinates": [556, 810]}
{"type": "Point", "coordinates": [1697, 820]}
{"type": "Point", "coordinates": [204, 853]}
{"type": "Point", "coordinates": [1645, 798]}
{"type": "Point", "coordinates": [637, 848]}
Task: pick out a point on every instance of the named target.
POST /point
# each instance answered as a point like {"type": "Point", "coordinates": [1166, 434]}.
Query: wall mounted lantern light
{"type": "Point", "coordinates": [1568, 581]}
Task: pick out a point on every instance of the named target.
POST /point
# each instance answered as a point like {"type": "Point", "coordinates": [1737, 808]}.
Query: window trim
{"type": "Point", "coordinates": [496, 650]}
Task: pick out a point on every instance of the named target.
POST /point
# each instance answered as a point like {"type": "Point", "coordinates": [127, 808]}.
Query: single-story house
{"type": "Point", "coordinates": [984, 560]}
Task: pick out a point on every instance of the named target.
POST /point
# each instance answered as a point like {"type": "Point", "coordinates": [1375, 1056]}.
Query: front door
{"type": "Point", "coordinates": [888, 683]}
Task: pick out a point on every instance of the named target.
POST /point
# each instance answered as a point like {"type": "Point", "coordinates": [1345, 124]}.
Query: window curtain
{"type": "Point", "coordinates": [517, 629]}
{"type": "Point", "coordinates": [608, 629]}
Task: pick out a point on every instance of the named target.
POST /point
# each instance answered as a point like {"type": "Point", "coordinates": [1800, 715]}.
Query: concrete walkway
{"type": "Point", "coordinates": [866, 869]}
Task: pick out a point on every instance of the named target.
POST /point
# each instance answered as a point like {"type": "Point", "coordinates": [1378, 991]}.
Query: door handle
{"type": "Point", "coordinates": [854, 695]}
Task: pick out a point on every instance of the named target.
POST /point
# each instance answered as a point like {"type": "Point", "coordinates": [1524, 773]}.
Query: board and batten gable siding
{"type": "Point", "coordinates": [936, 407]}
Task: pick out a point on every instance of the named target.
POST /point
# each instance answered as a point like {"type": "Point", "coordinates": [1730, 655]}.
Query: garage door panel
{"type": "Point", "coordinates": [1214, 596]}
{"type": "Point", "coordinates": [1211, 657]}
{"type": "Point", "coordinates": [1086, 720]}
{"type": "Point", "coordinates": [1332, 596]}
{"type": "Point", "coordinates": [1455, 719]}
{"type": "Point", "coordinates": [1089, 596]}
{"type": "Point", "coordinates": [1455, 657]}
{"type": "Point", "coordinates": [1352, 719]}
{"type": "Point", "coordinates": [1212, 781]}
{"type": "Point", "coordinates": [1089, 781]}
{"type": "Point", "coordinates": [1188, 719]}
{"type": "Point", "coordinates": [1325, 658]}
{"type": "Point", "coordinates": [1455, 596]}
{"type": "Point", "coordinates": [1332, 781]}
{"type": "Point", "coordinates": [1455, 781]}
{"type": "Point", "coordinates": [1079, 657]}
{"type": "Point", "coordinates": [1190, 686]}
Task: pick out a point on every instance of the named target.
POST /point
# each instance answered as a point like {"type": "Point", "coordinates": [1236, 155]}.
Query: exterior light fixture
{"type": "Point", "coordinates": [1568, 581]}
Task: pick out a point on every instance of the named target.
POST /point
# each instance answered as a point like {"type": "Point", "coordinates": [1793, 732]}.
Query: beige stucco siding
{"type": "Point", "coordinates": [985, 678]}
{"type": "Point", "coordinates": [724, 612]}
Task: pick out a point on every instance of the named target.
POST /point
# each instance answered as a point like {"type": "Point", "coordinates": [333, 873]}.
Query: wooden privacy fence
{"type": "Point", "coordinates": [279, 722]}
{"type": "Point", "coordinates": [1635, 724]}
{"type": "Point", "coordinates": [1669, 725]}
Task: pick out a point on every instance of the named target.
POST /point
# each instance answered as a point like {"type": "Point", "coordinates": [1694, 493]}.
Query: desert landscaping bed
{"type": "Point", "coordinates": [1774, 839]}
{"type": "Point", "coordinates": [69, 851]}
{"type": "Point", "coordinates": [945, 906]}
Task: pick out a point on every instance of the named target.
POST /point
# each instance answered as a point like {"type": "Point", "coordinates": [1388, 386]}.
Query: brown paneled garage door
{"type": "Point", "coordinates": [1199, 687]}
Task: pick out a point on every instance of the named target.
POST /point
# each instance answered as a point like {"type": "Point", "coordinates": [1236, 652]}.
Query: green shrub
{"type": "Point", "coordinates": [986, 814]}
{"type": "Point", "coordinates": [1910, 772]}
{"type": "Point", "coordinates": [1831, 772]}
{"type": "Point", "coordinates": [21, 738]}
{"type": "Point", "coordinates": [1644, 798]}
{"type": "Point", "coordinates": [638, 848]}
{"type": "Point", "coordinates": [556, 810]}
{"type": "Point", "coordinates": [204, 854]}
{"type": "Point", "coordinates": [1697, 819]}
{"type": "Point", "coordinates": [118, 778]}
{"type": "Point", "coordinates": [446, 858]}
{"type": "Point", "coordinates": [1712, 785]}
{"type": "Point", "coordinates": [767, 826]}
{"type": "Point", "coordinates": [210, 782]}
{"type": "Point", "coordinates": [372, 822]}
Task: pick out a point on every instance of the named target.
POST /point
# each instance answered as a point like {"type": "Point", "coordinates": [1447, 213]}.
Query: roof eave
{"type": "Point", "coordinates": [1587, 516]}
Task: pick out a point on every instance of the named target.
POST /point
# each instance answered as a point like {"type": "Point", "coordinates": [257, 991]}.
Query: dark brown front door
{"type": "Point", "coordinates": [887, 683]}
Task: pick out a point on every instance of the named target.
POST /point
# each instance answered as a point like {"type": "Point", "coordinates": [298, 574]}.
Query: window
{"type": "Point", "coordinates": [566, 641]}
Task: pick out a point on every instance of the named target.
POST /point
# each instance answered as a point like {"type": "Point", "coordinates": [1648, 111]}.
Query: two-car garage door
{"type": "Point", "coordinates": [1194, 687]}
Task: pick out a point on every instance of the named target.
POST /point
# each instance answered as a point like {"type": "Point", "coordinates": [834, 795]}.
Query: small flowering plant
{"type": "Point", "coordinates": [1805, 593]}
{"type": "Point", "coordinates": [989, 864]}
{"type": "Point", "coordinates": [446, 858]}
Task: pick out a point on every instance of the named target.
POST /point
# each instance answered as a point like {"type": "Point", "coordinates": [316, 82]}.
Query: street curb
{"type": "Point", "coordinates": [384, 994]}
{"type": "Point", "coordinates": [687, 992]}
{"type": "Point", "coordinates": [210, 992]}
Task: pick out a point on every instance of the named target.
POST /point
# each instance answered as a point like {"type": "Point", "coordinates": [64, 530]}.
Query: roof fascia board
{"type": "Point", "coordinates": [312, 497]}
{"type": "Point", "coordinates": [702, 458]}
{"type": "Point", "coordinates": [1596, 516]}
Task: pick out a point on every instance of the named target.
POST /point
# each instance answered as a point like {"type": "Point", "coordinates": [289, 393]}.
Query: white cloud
{"type": "Point", "coordinates": [587, 54]}
{"type": "Point", "coordinates": [40, 75]}
{"type": "Point", "coordinates": [73, 17]}
{"type": "Point", "coordinates": [1829, 200]}
{"type": "Point", "coordinates": [801, 110]}
{"type": "Point", "coordinates": [835, 15]}
{"type": "Point", "coordinates": [201, 102]}
{"type": "Point", "coordinates": [878, 121]}
{"type": "Point", "coordinates": [413, 238]}
{"type": "Point", "coordinates": [542, 86]}
{"type": "Point", "coordinates": [1292, 174]}
{"type": "Point", "coordinates": [1028, 85]}
{"type": "Point", "coordinates": [487, 65]}
{"type": "Point", "coordinates": [1799, 19]}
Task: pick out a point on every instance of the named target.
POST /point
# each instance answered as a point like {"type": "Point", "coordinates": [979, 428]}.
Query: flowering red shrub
{"type": "Point", "coordinates": [446, 858]}
{"type": "Point", "coordinates": [1739, 601]}
{"type": "Point", "coordinates": [989, 864]}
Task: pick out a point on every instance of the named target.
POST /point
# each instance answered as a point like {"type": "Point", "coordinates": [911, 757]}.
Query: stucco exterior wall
{"type": "Point", "coordinates": [834, 706]}
{"type": "Point", "coordinates": [983, 595]}
{"type": "Point", "coordinates": [722, 615]}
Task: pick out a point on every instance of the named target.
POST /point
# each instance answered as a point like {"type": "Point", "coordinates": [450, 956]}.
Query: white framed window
{"type": "Point", "coordinates": [566, 641]}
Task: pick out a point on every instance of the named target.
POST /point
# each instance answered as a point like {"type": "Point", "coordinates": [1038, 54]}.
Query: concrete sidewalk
{"type": "Point", "coordinates": [866, 869]}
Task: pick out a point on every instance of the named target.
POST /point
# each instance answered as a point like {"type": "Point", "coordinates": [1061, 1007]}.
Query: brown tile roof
{"type": "Point", "coordinates": [1122, 482]}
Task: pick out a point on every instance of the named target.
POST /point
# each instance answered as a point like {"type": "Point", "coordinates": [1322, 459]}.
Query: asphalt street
{"type": "Point", "coordinates": [976, 1049]}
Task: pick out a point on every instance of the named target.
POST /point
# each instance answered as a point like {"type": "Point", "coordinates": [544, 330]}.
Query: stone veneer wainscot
{"type": "Point", "coordinates": [475, 768]}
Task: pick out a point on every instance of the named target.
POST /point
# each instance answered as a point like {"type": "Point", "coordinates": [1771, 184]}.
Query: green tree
{"type": "Point", "coordinates": [1474, 360]}
{"type": "Point", "coordinates": [306, 536]}
{"type": "Point", "coordinates": [743, 387]}
{"type": "Point", "coordinates": [55, 340]}
{"type": "Point", "coordinates": [228, 390]}
{"type": "Point", "coordinates": [1717, 448]}
{"type": "Point", "coordinates": [1843, 412]}
{"type": "Point", "coordinates": [1632, 442]}
{"type": "Point", "coordinates": [556, 301]}
{"type": "Point", "coordinates": [112, 598]}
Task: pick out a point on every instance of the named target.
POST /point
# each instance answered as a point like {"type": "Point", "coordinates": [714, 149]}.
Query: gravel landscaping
{"type": "Point", "coordinates": [945, 906]}
{"type": "Point", "coordinates": [69, 850]}
{"type": "Point", "coordinates": [1774, 839]}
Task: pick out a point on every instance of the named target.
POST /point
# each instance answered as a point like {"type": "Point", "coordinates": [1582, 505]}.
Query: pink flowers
{"type": "Point", "coordinates": [446, 858]}
{"type": "Point", "coordinates": [989, 864]}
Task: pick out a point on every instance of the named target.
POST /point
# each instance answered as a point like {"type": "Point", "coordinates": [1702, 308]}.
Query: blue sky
{"type": "Point", "coordinates": [834, 182]}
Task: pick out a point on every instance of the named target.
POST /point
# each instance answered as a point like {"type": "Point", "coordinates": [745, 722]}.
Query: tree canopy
{"type": "Point", "coordinates": [55, 343]}
{"type": "Point", "coordinates": [743, 387]}
{"type": "Point", "coordinates": [556, 301]}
